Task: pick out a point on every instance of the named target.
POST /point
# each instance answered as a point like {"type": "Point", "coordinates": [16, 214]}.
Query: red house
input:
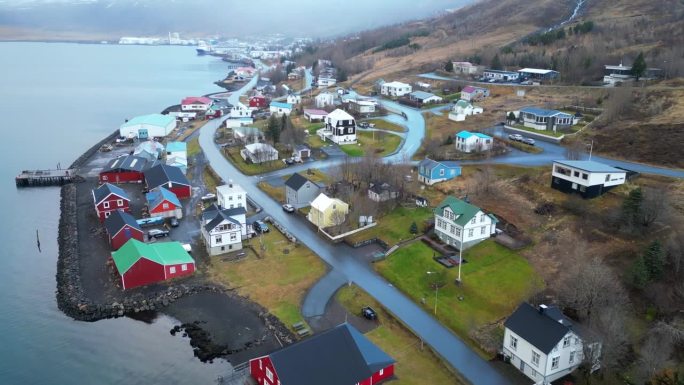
{"type": "Point", "coordinates": [121, 226]}
{"type": "Point", "coordinates": [109, 198]}
{"type": "Point", "coordinates": [169, 177]}
{"type": "Point", "coordinates": [163, 203]}
{"type": "Point", "coordinates": [140, 264]}
{"type": "Point", "coordinates": [124, 169]}
{"type": "Point", "coordinates": [339, 356]}
{"type": "Point", "coordinates": [258, 101]}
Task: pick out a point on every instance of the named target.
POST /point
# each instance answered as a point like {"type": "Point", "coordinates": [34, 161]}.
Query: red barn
{"type": "Point", "coordinates": [169, 177]}
{"type": "Point", "coordinates": [339, 356]}
{"type": "Point", "coordinates": [121, 226]}
{"type": "Point", "coordinates": [108, 198]}
{"type": "Point", "coordinates": [164, 203]}
{"type": "Point", "coordinates": [124, 169]}
{"type": "Point", "coordinates": [258, 101]}
{"type": "Point", "coordinates": [141, 264]}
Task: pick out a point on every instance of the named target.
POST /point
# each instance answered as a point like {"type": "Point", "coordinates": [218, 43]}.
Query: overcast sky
{"type": "Point", "coordinates": [316, 18]}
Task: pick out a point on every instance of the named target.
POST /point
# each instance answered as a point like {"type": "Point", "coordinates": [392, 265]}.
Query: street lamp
{"type": "Point", "coordinates": [460, 255]}
{"type": "Point", "coordinates": [436, 288]}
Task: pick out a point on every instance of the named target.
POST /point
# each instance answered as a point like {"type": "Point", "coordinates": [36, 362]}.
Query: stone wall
{"type": "Point", "coordinates": [92, 150]}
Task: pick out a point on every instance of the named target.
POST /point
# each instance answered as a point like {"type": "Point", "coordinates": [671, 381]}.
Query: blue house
{"type": "Point", "coordinates": [431, 171]}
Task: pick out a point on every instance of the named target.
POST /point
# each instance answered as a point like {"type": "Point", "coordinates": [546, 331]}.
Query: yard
{"type": "Point", "coordinates": [277, 193]}
{"type": "Point", "coordinates": [385, 125]}
{"type": "Point", "coordinates": [210, 178]}
{"type": "Point", "coordinates": [495, 281]}
{"type": "Point", "coordinates": [556, 134]}
{"type": "Point", "coordinates": [314, 175]}
{"type": "Point", "coordinates": [193, 147]}
{"type": "Point", "coordinates": [233, 155]}
{"type": "Point", "coordinates": [278, 280]}
{"type": "Point", "coordinates": [414, 365]}
{"type": "Point", "coordinates": [395, 226]}
{"type": "Point", "coordinates": [379, 143]}
{"type": "Point", "coordinates": [314, 141]}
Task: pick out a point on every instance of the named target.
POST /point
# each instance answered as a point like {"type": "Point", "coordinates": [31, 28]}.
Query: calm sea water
{"type": "Point", "coordinates": [57, 100]}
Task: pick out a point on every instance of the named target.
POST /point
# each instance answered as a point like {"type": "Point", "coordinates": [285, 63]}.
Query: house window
{"type": "Point", "coordinates": [572, 357]}
{"type": "Point", "coordinates": [535, 358]}
{"type": "Point", "coordinates": [576, 174]}
{"type": "Point", "coordinates": [218, 239]}
{"type": "Point", "coordinates": [233, 237]}
{"type": "Point", "coordinates": [482, 230]}
{"type": "Point", "coordinates": [105, 205]}
{"type": "Point", "coordinates": [566, 341]}
{"type": "Point", "coordinates": [458, 232]}
{"type": "Point", "coordinates": [441, 172]}
{"type": "Point", "coordinates": [513, 343]}
{"type": "Point", "coordinates": [473, 220]}
{"type": "Point", "coordinates": [470, 232]}
{"type": "Point", "coordinates": [452, 228]}
{"type": "Point", "coordinates": [585, 176]}
{"type": "Point", "coordinates": [269, 375]}
{"type": "Point", "coordinates": [261, 365]}
{"type": "Point", "coordinates": [119, 202]}
{"type": "Point", "coordinates": [165, 206]}
{"type": "Point", "coordinates": [172, 270]}
{"type": "Point", "coordinates": [184, 267]}
{"type": "Point", "coordinates": [381, 371]}
{"type": "Point", "coordinates": [554, 362]}
{"type": "Point", "coordinates": [482, 218]}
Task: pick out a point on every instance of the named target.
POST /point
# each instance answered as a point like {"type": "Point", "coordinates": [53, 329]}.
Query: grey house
{"type": "Point", "coordinates": [299, 191]}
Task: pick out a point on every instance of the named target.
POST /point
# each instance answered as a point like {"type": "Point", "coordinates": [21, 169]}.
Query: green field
{"type": "Point", "coordinates": [379, 143]}
{"type": "Point", "coordinates": [385, 125]}
{"type": "Point", "coordinates": [495, 280]}
{"type": "Point", "coordinates": [395, 226]}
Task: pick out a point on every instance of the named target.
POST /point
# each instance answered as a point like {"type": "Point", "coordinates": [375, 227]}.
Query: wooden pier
{"type": "Point", "coordinates": [36, 178]}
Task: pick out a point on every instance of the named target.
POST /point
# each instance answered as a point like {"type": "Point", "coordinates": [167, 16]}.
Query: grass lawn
{"type": "Point", "coordinates": [557, 134]}
{"type": "Point", "coordinates": [380, 143]}
{"type": "Point", "coordinates": [526, 147]}
{"type": "Point", "coordinates": [314, 141]}
{"type": "Point", "coordinates": [313, 174]}
{"type": "Point", "coordinates": [395, 226]}
{"type": "Point", "coordinates": [495, 281]}
{"type": "Point", "coordinates": [385, 125]}
{"type": "Point", "coordinates": [210, 179]}
{"type": "Point", "coordinates": [277, 281]}
{"type": "Point", "coordinates": [415, 366]}
{"type": "Point", "coordinates": [277, 193]}
{"type": "Point", "coordinates": [233, 155]}
{"type": "Point", "coordinates": [193, 147]}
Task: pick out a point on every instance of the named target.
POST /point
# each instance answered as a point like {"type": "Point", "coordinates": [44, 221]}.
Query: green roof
{"type": "Point", "coordinates": [164, 253]}
{"type": "Point", "coordinates": [464, 211]}
{"type": "Point", "coordinates": [152, 119]}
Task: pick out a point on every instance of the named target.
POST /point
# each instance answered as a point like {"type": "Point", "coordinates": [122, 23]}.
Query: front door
{"type": "Point", "coordinates": [522, 366]}
{"type": "Point", "coordinates": [142, 133]}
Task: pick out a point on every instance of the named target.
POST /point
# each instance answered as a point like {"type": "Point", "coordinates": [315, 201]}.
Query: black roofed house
{"type": "Point", "coordinates": [223, 230]}
{"type": "Point", "coordinates": [339, 356]}
{"type": "Point", "coordinates": [300, 191]}
{"type": "Point", "coordinates": [121, 226]}
{"type": "Point", "coordinates": [169, 177]}
{"type": "Point", "coordinates": [381, 192]}
{"type": "Point", "coordinates": [544, 344]}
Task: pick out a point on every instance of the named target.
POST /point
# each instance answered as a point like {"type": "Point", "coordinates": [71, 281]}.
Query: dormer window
{"type": "Point", "coordinates": [566, 341]}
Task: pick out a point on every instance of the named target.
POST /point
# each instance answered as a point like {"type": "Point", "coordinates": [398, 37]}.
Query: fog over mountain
{"type": "Point", "coordinates": [225, 17]}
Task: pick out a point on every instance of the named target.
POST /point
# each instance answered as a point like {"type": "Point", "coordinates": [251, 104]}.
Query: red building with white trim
{"type": "Point", "coordinates": [121, 226]}
{"type": "Point", "coordinates": [140, 264]}
{"type": "Point", "coordinates": [339, 356]}
{"type": "Point", "coordinates": [258, 101]}
{"type": "Point", "coordinates": [124, 169]}
{"type": "Point", "coordinates": [108, 198]}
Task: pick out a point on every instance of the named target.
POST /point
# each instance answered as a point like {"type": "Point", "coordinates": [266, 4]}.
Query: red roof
{"type": "Point", "coordinates": [196, 100]}
{"type": "Point", "coordinates": [469, 89]}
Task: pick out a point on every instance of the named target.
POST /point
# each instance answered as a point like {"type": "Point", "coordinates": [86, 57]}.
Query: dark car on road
{"type": "Point", "coordinates": [260, 227]}
{"type": "Point", "coordinates": [157, 233]}
{"type": "Point", "coordinates": [368, 313]}
{"type": "Point", "coordinates": [529, 141]}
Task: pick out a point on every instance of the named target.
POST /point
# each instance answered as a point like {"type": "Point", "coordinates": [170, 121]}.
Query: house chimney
{"type": "Point", "coordinates": [542, 308]}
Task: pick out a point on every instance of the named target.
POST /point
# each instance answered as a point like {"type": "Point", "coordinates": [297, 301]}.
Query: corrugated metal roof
{"type": "Point", "coordinates": [152, 120]}
{"type": "Point", "coordinates": [164, 253]}
{"type": "Point", "coordinates": [543, 112]}
{"type": "Point", "coordinates": [589, 165]}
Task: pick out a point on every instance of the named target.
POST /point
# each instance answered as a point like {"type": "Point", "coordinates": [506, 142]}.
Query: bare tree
{"type": "Point", "coordinates": [574, 150]}
{"type": "Point", "coordinates": [653, 206]}
{"type": "Point", "coordinates": [675, 252]}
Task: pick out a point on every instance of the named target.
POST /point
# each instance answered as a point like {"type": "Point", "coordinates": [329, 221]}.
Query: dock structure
{"type": "Point", "coordinates": [36, 178]}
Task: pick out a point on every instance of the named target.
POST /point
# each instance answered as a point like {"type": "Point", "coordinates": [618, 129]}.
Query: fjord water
{"type": "Point", "coordinates": [56, 101]}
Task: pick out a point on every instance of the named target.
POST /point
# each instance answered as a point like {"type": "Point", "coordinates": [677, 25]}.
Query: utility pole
{"type": "Point", "coordinates": [591, 148]}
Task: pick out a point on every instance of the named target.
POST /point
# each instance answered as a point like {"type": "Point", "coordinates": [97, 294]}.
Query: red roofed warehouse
{"type": "Point", "coordinates": [121, 226]}
{"type": "Point", "coordinates": [124, 169]}
{"type": "Point", "coordinates": [108, 198]}
{"type": "Point", "coordinates": [169, 177]}
{"type": "Point", "coordinates": [141, 264]}
{"type": "Point", "coordinates": [339, 356]}
{"type": "Point", "coordinates": [196, 103]}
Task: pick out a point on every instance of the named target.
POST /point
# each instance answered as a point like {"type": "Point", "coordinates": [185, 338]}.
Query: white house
{"type": "Point", "coordinates": [315, 115]}
{"type": "Point", "coordinates": [460, 224]}
{"type": "Point", "coordinates": [423, 97]}
{"type": "Point", "coordinates": [467, 141]}
{"type": "Point", "coordinates": [462, 109]}
{"type": "Point", "coordinates": [280, 108]}
{"type": "Point", "coordinates": [505, 76]}
{"type": "Point", "coordinates": [464, 67]}
{"type": "Point", "coordinates": [231, 195]}
{"type": "Point", "coordinates": [248, 134]}
{"type": "Point", "coordinates": [240, 111]}
{"type": "Point", "coordinates": [223, 230]}
{"type": "Point", "coordinates": [362, 106]}
{"type": "Point", "coordinates": [340, 128]}
{"type": "Point", "coordinates": [585, 177]}
{"type": "Point", "coordinates": [324, 99]}
{"type": "Point", "coordinates": [259, 153]}
{"type": "Point", "coordinates": [239, 122]}
{"type": "Point", "coordinates": [148, 126]}
{"type": "Point", "coordinates": [326, 81]}
{"type": "Point", "coordinates": [294, 99]}
{"type": "Point", "coordinates": [196, 103]}
{"type": "Point", "coordinates": [395, 89]}
{"type": "Point", "coordinates": [471, 93]}
{"type": "Point", "coordinates": [544, 344]}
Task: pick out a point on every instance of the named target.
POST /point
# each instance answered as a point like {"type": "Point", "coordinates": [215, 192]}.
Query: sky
{"type": "Point", "coordinates": [314, 18]}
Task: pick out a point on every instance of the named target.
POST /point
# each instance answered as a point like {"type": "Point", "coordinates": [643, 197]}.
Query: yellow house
{"type": "Point", "coordinates": [326, 212]}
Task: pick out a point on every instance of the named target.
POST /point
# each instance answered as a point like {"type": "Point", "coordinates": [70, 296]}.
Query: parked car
{"type": "Point", "coordinates": [288, 208]}
{"type": "Point", "coordinates": [120, 139]}
{"type": "Point", "coordinates": [516, 137]}
{"type": "Point", "coordinates": [260, 227]}
{"type": "Point", "coordinates": [208, 197]}
{"type": "Point", "coordinates": [288, 161]}
{"type": "Point", "coordinates": [174, 222]}
{"type": "Point", "coordinates": [529, 141]}
{"type": "Point", "coordinates": [369, 313]}
{"type": "Point", "coordinates": [371, 125]}
{"type": "Point", "coordinates": [363, 125]}
{"type": "Point", "coordinates": [157, 233]}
